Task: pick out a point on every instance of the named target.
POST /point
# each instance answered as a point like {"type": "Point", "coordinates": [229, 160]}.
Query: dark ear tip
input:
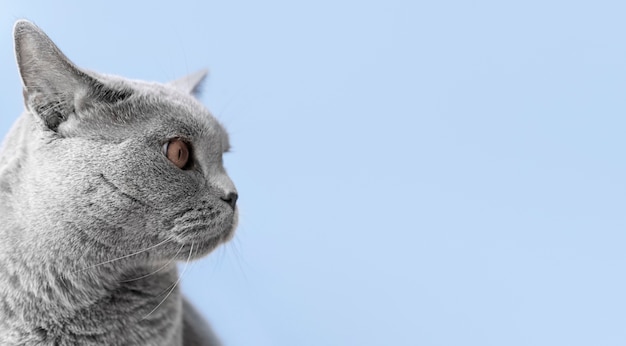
{"type": "Point", "coordinates": [204, 72]}
{"type": "Point", "coordinates": [190, 83]}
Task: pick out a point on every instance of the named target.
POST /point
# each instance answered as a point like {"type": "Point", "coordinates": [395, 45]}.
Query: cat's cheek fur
{"type": "Point", "coordinates": [146, 198]}
{"type": "Point", "coordinates": [176, 203]}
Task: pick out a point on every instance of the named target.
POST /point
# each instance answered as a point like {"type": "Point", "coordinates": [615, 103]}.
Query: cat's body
{"type": "Point", "coordinates": [95, 211]}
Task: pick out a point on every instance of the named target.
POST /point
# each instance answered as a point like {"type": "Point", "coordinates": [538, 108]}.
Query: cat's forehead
{"type": "Point", "coordinates": [175, 112]}
{"type": "Point", "coordinates": [153, 110]}
{"type": "Point", "coordinates": [162, 101]}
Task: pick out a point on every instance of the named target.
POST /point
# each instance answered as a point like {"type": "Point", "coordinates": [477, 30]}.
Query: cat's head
{"type": "Point", "coordinates": [118, 164]}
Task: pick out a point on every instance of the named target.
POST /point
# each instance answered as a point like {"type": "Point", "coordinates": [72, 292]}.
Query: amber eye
{"type": "Point", "coordinates": [177, 151]}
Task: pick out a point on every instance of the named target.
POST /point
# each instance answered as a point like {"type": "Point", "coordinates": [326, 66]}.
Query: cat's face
{"type": "Point", "coordinates": [122, 164]}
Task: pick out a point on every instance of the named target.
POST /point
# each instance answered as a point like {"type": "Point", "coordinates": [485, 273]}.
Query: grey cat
{"type": "Point", "coordinates": [104, 184]}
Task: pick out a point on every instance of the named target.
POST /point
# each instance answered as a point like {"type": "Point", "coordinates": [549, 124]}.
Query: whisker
{"type": "Point", "coordinates": [126, 256]}
{"type": "Point", "coordinates": [175, 284]}
{"type": "Point", "coordinates": [236, 245]}
{"type": "Point", "coordinates": [158, 270]}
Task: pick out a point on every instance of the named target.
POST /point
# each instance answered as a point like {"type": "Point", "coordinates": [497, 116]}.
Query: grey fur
{"type": "Point", "coordinates": [94, 215]}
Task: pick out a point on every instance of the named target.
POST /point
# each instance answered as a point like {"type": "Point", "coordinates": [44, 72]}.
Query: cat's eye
{"type": "Point", "coordinates": [178, 151]}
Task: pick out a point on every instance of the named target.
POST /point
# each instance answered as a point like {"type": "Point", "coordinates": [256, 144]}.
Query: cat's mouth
{"type": "Point", "coordinates": [204, 230]}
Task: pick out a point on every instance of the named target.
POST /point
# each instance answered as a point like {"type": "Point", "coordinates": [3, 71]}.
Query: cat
{"type": "Point", "coordinates": [105, 183]}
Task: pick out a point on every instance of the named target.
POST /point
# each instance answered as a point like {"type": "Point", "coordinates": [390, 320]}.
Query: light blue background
{"type": "Point", "coordinates": [410, 172]}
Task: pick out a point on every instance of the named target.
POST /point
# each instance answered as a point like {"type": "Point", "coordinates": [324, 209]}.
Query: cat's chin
{"type": "Point", "coordinates": [198, 249]}
{"type": "Point", "coordinates": [199, 245]}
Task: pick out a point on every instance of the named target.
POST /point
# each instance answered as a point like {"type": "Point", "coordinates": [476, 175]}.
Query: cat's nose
{"type": "Point", "coordinates": [231, 199]}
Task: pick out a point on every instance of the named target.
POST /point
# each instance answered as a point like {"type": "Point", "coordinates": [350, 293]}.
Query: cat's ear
{"type": "Point", "coordinates": [191, 83]}
{"type": "Point", "coordinates": [54, 87]}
